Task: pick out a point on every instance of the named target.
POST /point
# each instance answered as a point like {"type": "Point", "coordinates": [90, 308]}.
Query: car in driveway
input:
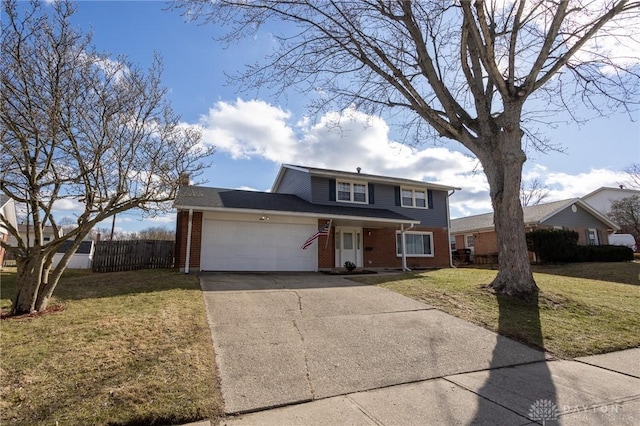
{"type": "Point", "coordinates": [623, 240]}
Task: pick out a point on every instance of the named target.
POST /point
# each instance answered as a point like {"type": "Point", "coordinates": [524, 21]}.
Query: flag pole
{"type": "Point", "coordinates": [326, 243]}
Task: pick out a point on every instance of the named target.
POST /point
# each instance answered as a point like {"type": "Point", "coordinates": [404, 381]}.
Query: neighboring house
{"type": "Point", "coordinates": [368, 216]}
{"type": "Point", "coordinates": [47, 235]}
{"type": "Point", "coordinates": [8, 212]}
{"type": "Point", "coordinates": [601, 198]}
{"type": "Point", "coordinates": [477, 234]}
{"type": "Point", "coordinates": [81, 259]}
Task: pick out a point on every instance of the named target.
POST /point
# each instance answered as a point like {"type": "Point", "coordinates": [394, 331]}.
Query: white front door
{"type": "Point", "coordinates": [348, 245]}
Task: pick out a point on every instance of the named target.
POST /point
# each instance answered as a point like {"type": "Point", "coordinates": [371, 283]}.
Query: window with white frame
{"type": "Point", "coordinates": [419, 244]}
{"type": "Point", "coordinates": [352, 192]}
{"type": "Point", "coordinates": [592, 237]}
{"type": "Point", "coordinates": [469, 241]}
{"type": "Point", "coordinates": [414, 198]}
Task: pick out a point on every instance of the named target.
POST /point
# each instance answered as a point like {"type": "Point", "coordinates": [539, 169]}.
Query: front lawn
{"type": "Point", "coordinates": [583, 309]}
{"type": "Point", "coordinates": [123, 348]}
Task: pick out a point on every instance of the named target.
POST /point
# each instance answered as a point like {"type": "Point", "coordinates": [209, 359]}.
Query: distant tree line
{"type": "Point", "coordinates": [151, 233]}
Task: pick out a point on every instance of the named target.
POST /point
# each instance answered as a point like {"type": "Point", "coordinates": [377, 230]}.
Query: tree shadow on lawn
{"type": "Point", "coordinates": [84, 284]}
{"type": "Point", "coordinates": [614, 272]}
{"type": "Point", "coordinates": [528, 390]}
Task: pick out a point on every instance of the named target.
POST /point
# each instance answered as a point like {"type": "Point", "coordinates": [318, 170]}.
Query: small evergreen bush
{"type": "Point", "coordinates": [560, 246]}
{"type": "Point", "coordinates": [553, 245]}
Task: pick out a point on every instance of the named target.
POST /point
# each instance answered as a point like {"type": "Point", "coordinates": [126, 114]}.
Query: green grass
{"type": "Point", "coordinates": [582, 309]}
{"type": "Point", "coordinates": [126, 348]}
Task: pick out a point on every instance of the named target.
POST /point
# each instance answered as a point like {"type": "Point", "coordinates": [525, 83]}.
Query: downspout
{"type": "Point", "coordinates": [404, 246]}
{"type": "Point", "coordinates": [187, 259]}
{"type": "Point", "coordinates": [449, 228]}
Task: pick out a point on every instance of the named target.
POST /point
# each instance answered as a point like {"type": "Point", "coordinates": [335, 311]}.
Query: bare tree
{"type": "Point", "coordinates": [463, 69]}
{"type": "Point", "coordinates": [77, 126]}
{"type": "Point", "coordinates": [634, 175]}
{"type": "Point", "coordinates": [156, 233]}
{"type": "Point", "coordinates": [533, 192]}
{"type": "Point", "coordinates": [626, 213]}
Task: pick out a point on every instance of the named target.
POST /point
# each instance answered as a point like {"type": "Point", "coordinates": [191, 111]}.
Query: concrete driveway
{"type": "Point", "coordinates": [289, 338]}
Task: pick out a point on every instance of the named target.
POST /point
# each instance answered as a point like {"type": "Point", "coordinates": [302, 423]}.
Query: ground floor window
{"type": "Point", "coordinates": [419, 244]}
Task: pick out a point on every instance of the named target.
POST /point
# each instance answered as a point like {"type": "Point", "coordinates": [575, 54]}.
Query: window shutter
{"type": "Point", "coordinates": [332, 189]}
{"type": "Point", "coordinates": [371, 194]}
{"type": "Point", "coordinates": [599, 234]}
{"type": "Point", "coordinates": [588, 242]}
{"type": "Point", "coordinates": [397, 188]}
{"type": "Point", "coordinates": [429, 198]}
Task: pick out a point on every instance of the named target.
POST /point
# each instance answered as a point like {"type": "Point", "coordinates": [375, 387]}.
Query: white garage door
{"type": "Point", "coordinates": [246, 246]}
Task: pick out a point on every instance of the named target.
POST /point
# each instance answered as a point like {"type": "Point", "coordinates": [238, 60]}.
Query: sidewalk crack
{"type": "Point", "coordinates": [306, 359]}
{"type": "Point", "coordinates": [363, 411]}
{"type": "Point", "coordinates": [304, 348]}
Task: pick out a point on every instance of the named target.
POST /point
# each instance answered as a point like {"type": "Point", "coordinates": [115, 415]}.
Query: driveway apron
{"type": "Point", "coordinates": [289, 338]}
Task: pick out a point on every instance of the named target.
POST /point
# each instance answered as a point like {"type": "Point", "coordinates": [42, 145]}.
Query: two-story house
{"type": "Point", "coordinates": [372, 221]}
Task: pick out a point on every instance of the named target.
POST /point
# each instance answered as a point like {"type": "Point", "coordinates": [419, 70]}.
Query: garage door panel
{"type": "Point", "coordinates": [246, 246]}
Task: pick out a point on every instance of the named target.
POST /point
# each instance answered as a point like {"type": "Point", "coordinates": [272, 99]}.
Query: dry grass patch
{"type": "Point", "coordinates": [128, 348]}
{"type": "Point", "coordinates": [575, 315]}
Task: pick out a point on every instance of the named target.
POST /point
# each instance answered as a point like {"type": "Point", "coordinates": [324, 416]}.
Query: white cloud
{"type": "Point", "coordinates": [68, 205]}
{"type": "Point", "coordinates": [169, 218]}
{"type": "Point", "coordinates": [344, 141]}
{"type": "Point", "coordinates": [250, 128]}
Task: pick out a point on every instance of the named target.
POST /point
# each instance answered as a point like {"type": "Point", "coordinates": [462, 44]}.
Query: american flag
{"type": "Point", "coordinates": [322, 231]}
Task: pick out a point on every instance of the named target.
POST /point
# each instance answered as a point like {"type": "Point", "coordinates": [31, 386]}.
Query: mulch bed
{"type": "Point", "coordinates": [345, 272]}
{"type": "Point", "coordinates": [50, 310]}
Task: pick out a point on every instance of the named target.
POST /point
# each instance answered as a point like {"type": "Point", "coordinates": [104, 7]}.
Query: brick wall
{"type": "Point", "coordinates": [326, 256]}
{"type": "Point", "coordinates": [379, 249]}
{"type": "Point", "coordinates": [182, 226]}
{"type": "Point", "coordinates": [485, 243]}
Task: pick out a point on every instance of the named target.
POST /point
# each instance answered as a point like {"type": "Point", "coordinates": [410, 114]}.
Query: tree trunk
{"type": "Point", "coordinates": [503, 167]}
{"type": "Point", "coordinates": [28, 281]}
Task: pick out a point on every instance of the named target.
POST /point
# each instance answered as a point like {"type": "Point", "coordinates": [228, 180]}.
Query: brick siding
{"type": "Point", "coordinates": [182, 226]}
{"type": "Point", "coordinates": [326, 251]}
{"type": "Point", "coordinates": [379, 249]}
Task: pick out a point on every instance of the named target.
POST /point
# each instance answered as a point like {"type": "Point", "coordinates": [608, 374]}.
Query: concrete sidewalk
{"type": "Point", "coordinates": [330, 351]}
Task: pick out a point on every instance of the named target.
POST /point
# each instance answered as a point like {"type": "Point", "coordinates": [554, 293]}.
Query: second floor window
{"type": "Point", "coordinates": [352, 192]}
{"type": "Point", "coordinates": [414, 198]}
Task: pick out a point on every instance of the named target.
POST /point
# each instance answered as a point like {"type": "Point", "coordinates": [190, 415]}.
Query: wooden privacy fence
{"type": "Point", "coordinates": [113, 256]}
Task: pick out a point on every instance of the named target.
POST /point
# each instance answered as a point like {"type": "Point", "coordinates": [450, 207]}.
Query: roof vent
{"type": "Point", "coordinates": [358, 169]}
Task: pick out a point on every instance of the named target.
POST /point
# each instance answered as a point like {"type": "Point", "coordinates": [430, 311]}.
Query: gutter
{"type": "Point", "coordinates": [404, 246]}
{"type": "Point", "coordinates": [314, 215]}
{"type": "Point", "coordinates": [449, 228]}
{"type": "Point", "coordinates": [187, 259]}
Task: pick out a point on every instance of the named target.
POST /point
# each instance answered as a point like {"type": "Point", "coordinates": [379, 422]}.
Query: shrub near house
{"type": "Point", "coordinates": [556, 245]}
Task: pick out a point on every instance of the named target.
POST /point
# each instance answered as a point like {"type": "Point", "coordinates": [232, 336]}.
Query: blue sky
{"type": "Point", "coordinates": [255, 132]}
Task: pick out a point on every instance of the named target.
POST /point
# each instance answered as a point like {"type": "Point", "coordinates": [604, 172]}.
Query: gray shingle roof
{"type": "Point", "coordinates": [216, 198]}
{"type": "Point", "coordinates": [532, 214]}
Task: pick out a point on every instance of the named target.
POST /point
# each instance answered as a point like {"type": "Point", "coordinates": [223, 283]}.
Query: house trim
{"type": "Point", "coordinates": [300, 214]}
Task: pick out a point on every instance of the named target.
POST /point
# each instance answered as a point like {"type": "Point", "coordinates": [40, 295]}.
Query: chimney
{"type": "Point", "coordinates": [183, 179]}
